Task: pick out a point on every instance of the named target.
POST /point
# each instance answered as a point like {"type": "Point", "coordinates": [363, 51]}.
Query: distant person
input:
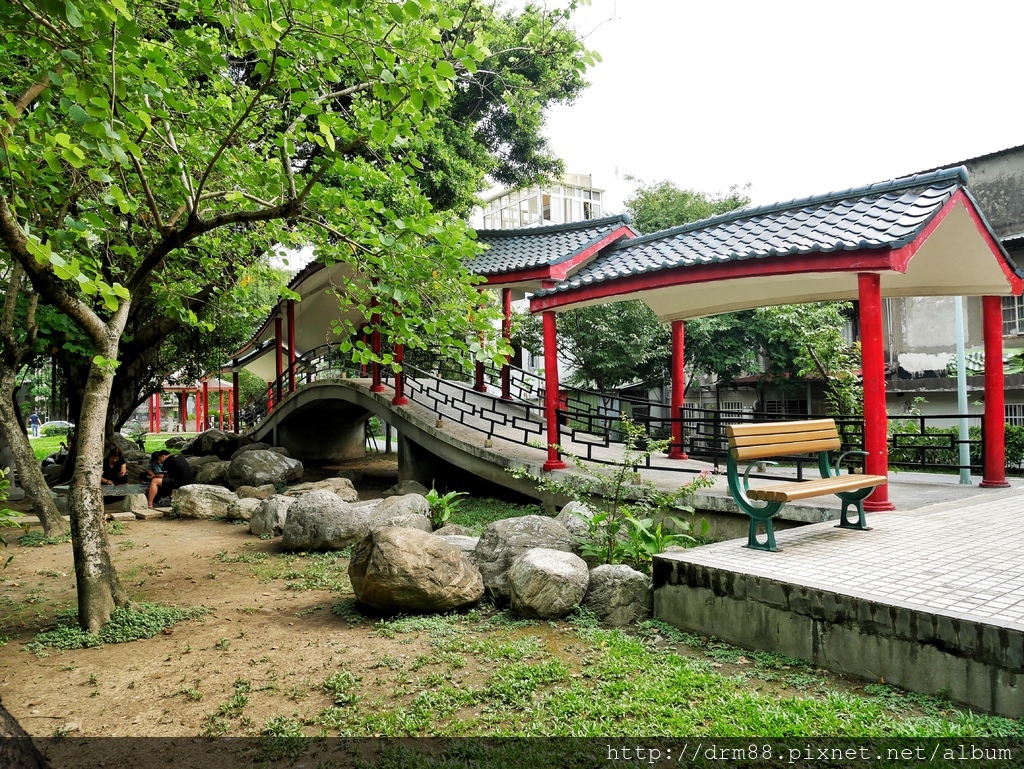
{"type": "Point", "coordinates": [177, 473]}
{"type": "Point", "coordinates": [154, 469]}
{"type": "Point", "coordinates": [115, 469]}
{"type": "Point", "coordinates": [35, 422]}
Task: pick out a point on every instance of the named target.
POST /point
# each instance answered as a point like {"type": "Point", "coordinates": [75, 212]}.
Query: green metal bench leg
{"type": "Point", "coordinates": [844, 519]}
{"type": "Point", "coordinates": [752, 541]}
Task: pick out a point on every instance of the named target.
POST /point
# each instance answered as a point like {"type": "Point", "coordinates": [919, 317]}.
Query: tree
{"type": "Point", "coordinates": [662, 205]}
{"type": "Point", "coordinates": [144, 143]}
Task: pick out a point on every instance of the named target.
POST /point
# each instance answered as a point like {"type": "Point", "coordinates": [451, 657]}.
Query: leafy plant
{"type": "Point", "coordinates": [443, 505]}
{"type": "Point", "coordinates": [629, 525]}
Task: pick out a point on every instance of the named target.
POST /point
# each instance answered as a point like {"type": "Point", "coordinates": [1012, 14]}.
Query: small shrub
{"type": "Point", "coordinates": [129, 623]}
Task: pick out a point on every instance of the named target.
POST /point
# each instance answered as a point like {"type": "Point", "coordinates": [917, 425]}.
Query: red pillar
{"type": "Point", "coordinates": [151, 397]}
{"type": "Point", "coordinates": [678, 388]}
{"type": "Point", "coordinates": [157, 398]}
{"type": "Point", "coordinates": [375, 385]}
{"type": "Point", "coordinates": [554, 461]}
{"type": "Point", "coordinates": [199, 411]}
{"type": "Point", "coordinates": [399, 399]}
{"type": "Point", "coordinates": [506, 334]}
{"type": "Point", "coordinates": [994, 472]}
{"type": "Point", "coordinates": [279, 356]}
{"type": "Point", "coordinates": [270, 399]}
{"type": "Point", "coordinates": [291, 345]}
{"type": "Point", "coordinates": [206, 404]}
{"type": "Point", "coordinates": [220, 403]}
{"type": "Point", "coordinates": [233, 396]}
{"type": "Point", "coordinates": [183, 399]}
{"type": "Point", "coordinates": [876, 423]}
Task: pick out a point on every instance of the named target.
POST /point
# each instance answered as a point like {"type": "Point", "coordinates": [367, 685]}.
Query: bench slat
{"type": "Point", "coordinates": [744, 453]}
{"type": "Point", "coordinates": [791, 491]}
{"type": "Point", "coordinates": [760, 440]}
{"type": "Point", "coordinates": [768, 428]}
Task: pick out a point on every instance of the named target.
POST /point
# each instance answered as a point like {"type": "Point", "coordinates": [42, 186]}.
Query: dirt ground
{"type": "Point", "coordinates": [283, 639]}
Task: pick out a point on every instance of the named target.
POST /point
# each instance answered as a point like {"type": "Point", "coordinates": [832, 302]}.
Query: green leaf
{"type": "Point", "coordinates": [71, 14]}
{"type": "Point", "coordinates": [445, 69]}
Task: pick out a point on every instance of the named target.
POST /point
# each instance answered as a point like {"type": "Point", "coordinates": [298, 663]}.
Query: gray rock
{"type": "Point", "coordinates": [197, 462]}
{"type": "Point", "coordinates": [243, 509]}
{"type": "Point", "coordinates": [208, 441]}
{"type": "Point", "coordinates": [270, 516]}
{"type": "Point", "coordinates": [265, 491]}
{"type": "Point", "coordinates": [406, 487]}
{"type": "Point", "coordinates": [504, 541]}
{"type": "Point", "coordinates": [466, 544]}
{"type": "Point", "coordinates": [133, 502]}
{"type": "Point", "coordinates": [340, 486]}
{"type": "Point", "coordinates": [215, 472]}
{"type": "Point", "coordinates": [452, 529]}
{"type": "Point", "coordinates": [619, 595]}
{"type": "Point", "coordinates": [406, 504]}
{"type": "Point", "coordinates": [399, 569]}
{"type": "Point", "coordinates": [353, 475]}
{"type": "Point", "coordinates": [547, 584]}
{"type": "Point", "coordinates": [574, 517]}
{"type": "Point", "coordinates": [122, 442]}
{"type": "Point", "coordinates": [260, 467]}
{"type": "Point", "coordinates": [320, 520]}
{"type": "Point", "coordinates": [258, 446]}
{"type": "Point", "coordinates": [378, 518]}
{"type": "Point", "coordinates": [201, 501]}
{"type": "Point", "coordinates": [176, 441]}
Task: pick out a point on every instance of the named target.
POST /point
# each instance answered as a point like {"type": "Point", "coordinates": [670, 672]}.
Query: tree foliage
{"type": "Point", "coordinates": [153, 153]}
{"type": "Point", "coordinates": [662, 205]}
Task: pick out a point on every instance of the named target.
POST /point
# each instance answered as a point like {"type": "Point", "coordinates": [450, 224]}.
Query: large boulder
{"type": "Point", "coordinates": [406, 487]}
{"type": "Point", "coordinates": [258, 446]}
{"type": "Point", "coordinates": [547, 584]}
{"type": "Point", "coordinates": [619, 595]}
{"type": "Point", "coordinates": [213, 472]}
{"type": "Point", "coordinates": [197, 462]}
{"type": "Point", "coordinates": [505, 540]}
{"type": "Point", "coordinates": [341, 486]}
{"type": "Point", "coordinates": [266, 491]}
{"type": "Point", "coordinates": [243, 509]}
{"type": "Point", "coordinates": [401, 508]}
{"type": "Point", "coordinates": [256, 468]}
{"type": "Point", "coordinates": [270, 516]}
{"type": "Point", "coordinates": [406, 570]}
{"type": "Point", "coordinates": [201, 501]}
{"type": "Point", "coordinates": [574, 516]}
{"type": "Point", "coordinates": [320, 520]}
{"type": "Point", "coordinates": [206, 442]}
{"type": "Point", "coordinates": [452, 529]}
{"type": "Point", "coordinates": [466, 544]}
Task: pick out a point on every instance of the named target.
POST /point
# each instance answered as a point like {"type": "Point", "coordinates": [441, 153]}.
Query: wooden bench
{"type": "Point", "coordinates": [756, 442]}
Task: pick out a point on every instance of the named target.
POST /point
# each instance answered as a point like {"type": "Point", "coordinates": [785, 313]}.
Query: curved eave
{"type": "Point", "coordinates": [534, 278]}
{"type": "Point", "coordinates": [955, 254]}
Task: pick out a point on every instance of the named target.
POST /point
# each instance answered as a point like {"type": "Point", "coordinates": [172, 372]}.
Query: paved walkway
{"type": "Point", "coordinates": [958, 558]}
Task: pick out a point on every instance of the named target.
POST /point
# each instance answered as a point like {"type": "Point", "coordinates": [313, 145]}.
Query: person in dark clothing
{"type": "Point", "coordinates": [115, 469]}
{"type": "Point", "coordinates": [177, 473]}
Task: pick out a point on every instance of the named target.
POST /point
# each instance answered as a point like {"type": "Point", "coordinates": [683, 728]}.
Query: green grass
{"type": "Point", "coordinates": [44, 447]}
{"type": "Point", "coordinates": [129, 623]}
{"type": "Point", "coordinates": [475, 514]}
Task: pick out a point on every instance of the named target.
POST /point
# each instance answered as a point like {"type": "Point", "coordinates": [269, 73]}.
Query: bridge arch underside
{"type": "Point", "coordinates": [326, 421]}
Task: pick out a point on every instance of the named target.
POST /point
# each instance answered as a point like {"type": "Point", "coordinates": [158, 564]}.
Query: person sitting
{"type": "Point", "coordinates": [154, 469]}
{"type": "Point", "coordinates": [177, 472]}
{"type": "Point", "coordinates": [115, 469]}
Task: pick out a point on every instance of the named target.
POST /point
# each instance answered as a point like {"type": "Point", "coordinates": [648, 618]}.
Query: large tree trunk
{"type": "Point", "coordinates": [30, 474]}
{"type": "Point", "coordinates": [99, 588]}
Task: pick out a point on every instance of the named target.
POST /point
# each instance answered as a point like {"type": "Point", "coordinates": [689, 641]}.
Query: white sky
{"type": "Point", "coordinates": [796, 98]}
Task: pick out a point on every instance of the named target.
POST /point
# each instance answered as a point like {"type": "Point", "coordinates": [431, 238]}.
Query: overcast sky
{"type": "Point", "coordinates": [794, 98]}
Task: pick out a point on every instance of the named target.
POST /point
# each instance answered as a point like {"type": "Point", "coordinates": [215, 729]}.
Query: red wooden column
{"type": "Point", "coordinates": [233, 400]}
{"type": "Point", "coordinates": [199, 410]}
{"type": "Point", "coordinates": [506, 334]}
{"type": "Point", "coordinates": [994, 472]}
{"type": "Point", "coordinates": [279, 357]}
{"type": "Point", "coordinates": [479, 384]}
{"type": "Point", "coordinates": [876, 421]}
{"type": "Point", "coordinates": [291, 345]}
{"type": "Point", "coordinates": [678, 389]}
{"type": "Point", "coordinates": [157, 398]}
{"type": "Point", "coordinates": [220, 403]}
{"type": "Point", "coordinates": [554, 461]}
{"type": "Point", "coordinates": [151, 414]}
{"type": "Point", "coordinates": [399, 399]}
{"type": "Point", "coordinates": [183, 409]}
{"type": "Point", "coordinates": [206, 404]}
{"type": "Point", "coordinates": [375, 386]}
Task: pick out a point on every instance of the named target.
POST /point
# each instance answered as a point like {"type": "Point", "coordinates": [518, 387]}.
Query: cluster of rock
{"type": "Point", "coordinates": [398, 562]}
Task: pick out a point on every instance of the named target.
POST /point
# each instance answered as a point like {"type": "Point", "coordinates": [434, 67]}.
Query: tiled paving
{"type": "Point", "coordinates": [961, 559]}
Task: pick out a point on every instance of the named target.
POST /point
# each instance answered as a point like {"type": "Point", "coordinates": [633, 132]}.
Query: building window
{"type": "Point", "coordinates": [1014, 414]}
{"type": "Point", "coordinates": [786, 407]}
{"type": "Point", "coordinates": [1013, 316]}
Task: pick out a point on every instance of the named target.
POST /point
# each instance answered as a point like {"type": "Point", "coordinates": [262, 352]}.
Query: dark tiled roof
{"type": "Point", "coordinates": [523, 249]}
{"type": "Point", "coordinates": [885, 215]}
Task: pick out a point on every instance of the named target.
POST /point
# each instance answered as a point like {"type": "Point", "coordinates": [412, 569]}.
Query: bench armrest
{"type": "Point", "coordinates": [841, 457]}
{"type": "Point", "coordinates": [746, 473]}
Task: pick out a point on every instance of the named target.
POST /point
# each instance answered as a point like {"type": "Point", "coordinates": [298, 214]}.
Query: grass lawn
{"type": "Point", "coordinates": [43, 447]}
